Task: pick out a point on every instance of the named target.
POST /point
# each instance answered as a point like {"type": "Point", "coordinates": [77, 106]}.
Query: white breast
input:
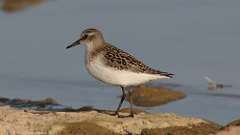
{"type": "Point", "coordinates": [107, 74]}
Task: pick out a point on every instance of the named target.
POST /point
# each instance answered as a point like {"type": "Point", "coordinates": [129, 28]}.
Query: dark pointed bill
{"type": "Point", "coordinates": [74, 44]}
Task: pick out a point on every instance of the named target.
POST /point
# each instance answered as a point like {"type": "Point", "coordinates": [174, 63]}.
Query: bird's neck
{"type": "Point", "coordinates": [92, 48]}
{"type": "Point", "coordinates": [94, 45]}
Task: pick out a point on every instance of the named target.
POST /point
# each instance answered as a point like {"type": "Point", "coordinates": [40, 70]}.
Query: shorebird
{"type": "Point", "coordinates": [114, 66]}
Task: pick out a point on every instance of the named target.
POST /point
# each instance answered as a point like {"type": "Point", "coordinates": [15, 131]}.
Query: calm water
{"type": "Point", "coordinates": [191, 38]}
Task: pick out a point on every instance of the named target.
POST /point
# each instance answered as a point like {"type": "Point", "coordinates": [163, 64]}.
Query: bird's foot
{"type": "Point", "coordinates": [114, 114]}
{"type": "Point", "coordinates": [125, 116]}
{"type": "Point", "coordinates": [122, 116]}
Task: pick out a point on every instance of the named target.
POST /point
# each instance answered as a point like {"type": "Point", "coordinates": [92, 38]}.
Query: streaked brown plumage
{"type": "Point", "coordinates": [121, 60]}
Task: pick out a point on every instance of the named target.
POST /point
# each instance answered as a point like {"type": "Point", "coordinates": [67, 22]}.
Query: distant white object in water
{"type": "Point", "coordinates": [212, 85]}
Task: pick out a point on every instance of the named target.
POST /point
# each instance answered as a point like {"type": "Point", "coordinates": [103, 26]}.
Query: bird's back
{"type": "Point", "coordinates": [121, 60]}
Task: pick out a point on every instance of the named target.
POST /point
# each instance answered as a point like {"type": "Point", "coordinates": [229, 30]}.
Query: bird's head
{"type": "Point", "coordinates": [88, 37]}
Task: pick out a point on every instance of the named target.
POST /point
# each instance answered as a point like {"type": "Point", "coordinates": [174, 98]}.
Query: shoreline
{"type": "Point", "coordinates": [28, 122]}
{"type": "Point", "coordinates": [48, 117]}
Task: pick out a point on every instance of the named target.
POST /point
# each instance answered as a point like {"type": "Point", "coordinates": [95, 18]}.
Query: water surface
{"type": "Point", "coordinates": [191, 38]}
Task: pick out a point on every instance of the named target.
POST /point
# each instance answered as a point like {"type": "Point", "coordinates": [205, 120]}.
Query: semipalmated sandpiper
{"type": "Point", "coordinates": [114, 66]}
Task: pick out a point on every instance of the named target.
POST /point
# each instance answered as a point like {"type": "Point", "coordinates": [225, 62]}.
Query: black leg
{"type": "Point", "coordinates": [121, 101]}
{"type": "Point", "coordinates": [130, 102]}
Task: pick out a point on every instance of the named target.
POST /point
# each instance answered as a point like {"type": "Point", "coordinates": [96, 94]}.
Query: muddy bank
{"type": "Point", "coordinates": [48, 117]}
{"type": "Point", "coordinates": [28, 122]}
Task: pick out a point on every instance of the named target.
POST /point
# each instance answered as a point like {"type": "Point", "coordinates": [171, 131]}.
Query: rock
{"type": "Point", "coordinates": [149, 97]}
{"type": "Point", "coordinates": [44, 104]}
{"type": "Point", "coordinates": [232, 128]}
{"type": "Point", "coordinates": [233, 123]}
{"type": "Point", "coordinates": [86, 128]}
{"type": "Point", "coordinates": [201, 129]}
{"type": "Point", "coordinates": [229, 131]}
{"type": "Point", "coordinates": [19, 122]}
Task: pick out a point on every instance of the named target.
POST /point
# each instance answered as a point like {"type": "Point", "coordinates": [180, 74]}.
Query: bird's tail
{"type": "Point", "coordinates": [169, 75]}
{"type": "Point", "coordinates": [161, 73]}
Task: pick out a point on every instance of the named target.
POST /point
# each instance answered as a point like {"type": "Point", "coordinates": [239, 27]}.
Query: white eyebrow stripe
{"type": "Point", "coordinates": [90, 33]}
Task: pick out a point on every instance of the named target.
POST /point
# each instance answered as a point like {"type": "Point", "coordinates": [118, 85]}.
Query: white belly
{"type": "Point", "coordinates": [118, 77]}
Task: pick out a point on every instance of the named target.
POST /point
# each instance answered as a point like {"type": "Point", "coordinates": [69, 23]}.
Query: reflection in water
{"type": "Point", "coordinates": [150, 96]}
{"type": "Point", "coordinates": [17, 5]}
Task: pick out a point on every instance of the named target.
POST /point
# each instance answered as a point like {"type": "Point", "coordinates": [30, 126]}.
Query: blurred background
{"type": "Point", "coordinates": [191, 38]}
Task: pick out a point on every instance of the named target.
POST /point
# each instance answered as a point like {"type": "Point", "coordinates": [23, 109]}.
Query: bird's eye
{"type": "Point", "coordinates": [85, 36]}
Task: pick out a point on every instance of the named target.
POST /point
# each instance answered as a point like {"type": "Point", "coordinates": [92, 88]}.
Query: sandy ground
{"type": "Point", "coordinates": [230, 131]}
{"type": "Point", "coordinates": [27, 122]}
{"type": "Point", "coordinates": [232, 128]}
